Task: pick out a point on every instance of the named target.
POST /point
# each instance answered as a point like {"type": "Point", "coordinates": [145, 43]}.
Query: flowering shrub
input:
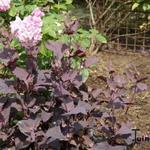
{"type": "Point", "coordinates": [48, 105]}
{"type": "Point", "coordinates": [4, 5]}
{"type": "Point", "coordinates": [28, 30]}
{"type": "Point", "coordinates": [54, 108]}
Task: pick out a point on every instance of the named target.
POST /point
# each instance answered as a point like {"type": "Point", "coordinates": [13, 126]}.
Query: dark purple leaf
{"type": "Point", "coordinates": [105, 115]}
{"type": "Point", "coordinates": [45, 116]}
{"type": "Point", "coordinates": [119, 93]}
{"type": "Point", "coordinates": [31, 64]}
{"type": "Point", "coordinates": [101, 146]}
{"type": "Point", "coordinates": [120, 80]}
{"type": "Point", "coordinates": [106, 146]}
{"type": "Point", "coordinates": [80, 53]}
{"type": "Point", "coordinates": [71, 26]}
{"type": "Point", "coordinates": [69, 76]}
{"type": "Point", "coordinates": [5, 89]}
{"type": "Point", "coordinates": [141, 87]}
{"type": "Point", "coordinates": [117, 104]}
{"type": "Point", "coordinates": [16, 106]}
{"type": "Point", "coordinates": [96, 93]}
{"type": "Point", "coordinates": [112, 85]}
{"type": "Point", "coordinates": [102, 78]}
{"type": "Point", "coordinates": [74, 26]}
{"type": "Point", "coordinates": [85, 105]}
{"type": "Point", "coordinates": [59, 90]}
{"type": "Point", "coordinates": [107, 92]}
{"type": "Point", "coordinates": [110, 68]}
{"type": "Point", "coordinates": [28, 126]}
{"type": "Point", "coordinates": [55, 133]}
{"type": "Point", "coordinates": [77, 127]}
{"type": "Point", "coordinates": [85, 96]}
{"type": "Point", "coordinates": [32, 103]}
{"type": "Point", "coordinates": [8, 56]}
{"type": "Point", "coordinates": [34, 109]}
{"type": "Point", "coordinates": [97, 114]}
{"type": "Point", "coordinates": [78, 81]}
{"type": "Point", "coordinates": [58, 48]}
{"type": "Point", "coordinates": [21, 143]}
{"type": "Point", "coordinates": [3, 136]}
{"type": "Point", "coordinates": [106, 130]}
{"type": "Point", "coordinates": [53, 144]}
{"type": "Point", "coordinates": [130, 75]}
{"type": "Point", "coordinates": [21, 73]}
{"type": "Point", "coordinates": [125, 129]}
{"type": "Point", "coordinates": [2, 120]}
{"type": "Point", "coordinates": [42, 77]}
{"type": "Point", "coordinates": [68, 103]}
{"type": "Point", "coordinates": [76, 110]}
{"type": "Point", "coordinates": [6, 114]}
{"type": "Point", "coordinates": [90, 61]}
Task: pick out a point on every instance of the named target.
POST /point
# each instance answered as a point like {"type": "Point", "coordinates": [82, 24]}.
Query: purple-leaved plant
{"type": "Point", "coordinates": [55, 109]}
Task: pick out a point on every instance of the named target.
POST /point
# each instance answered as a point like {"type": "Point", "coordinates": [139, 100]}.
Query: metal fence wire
{"type": "Point", "coordinates": [132, 34]}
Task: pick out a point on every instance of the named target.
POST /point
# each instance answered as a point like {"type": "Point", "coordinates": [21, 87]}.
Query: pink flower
{"type": "Point", "coordinates": [4, 5]}
{"type": "Point", "coordinates": [37, 12]}
{"type": "Point", "coordinates": [28, 30]}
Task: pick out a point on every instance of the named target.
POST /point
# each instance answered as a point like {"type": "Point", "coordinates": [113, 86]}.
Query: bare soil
{"type": "Point", "coordinates": [139, 114]}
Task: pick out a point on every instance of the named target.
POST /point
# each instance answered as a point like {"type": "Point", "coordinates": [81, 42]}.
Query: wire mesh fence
{"type": "Point", "coordinates": [130, 36]}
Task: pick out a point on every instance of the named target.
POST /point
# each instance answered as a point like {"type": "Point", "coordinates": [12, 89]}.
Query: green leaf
{"type": "Point", "coordinates": [50, 25]}
{"type": "Point", "coordinates": [13, 11]}
{"type": "Point", "coordinates": [60, 6]}
{"type": "Point", "coordinates": [15, 44]}
{"type": "Point", "coordinates": [85, 74]}
{"type": "Point", "coordinates": [101, 38]}
{"type": "Point", "coordinates": [135, 5]}
{"type": "Point", "coordinates": [94, 31]}
{"type": "Point", "coordinates": [1, 46]}
{"type": "Point", "coordinates": [98, 36]}
{"type": "Point", "coordinates": [42, 49]}
{"type": "Point", "coordinates": [29, 8]}
{"type": "Point", "coordinates": [146, 7]}
{"type": "Point", "coordinates": [75, 63]}
{"type": "Point", "coordinates": [64, 38]}
{"type": "Point", "coordinates": [69, 2]}
{"type": "Point", "coordinates": [85, 43]}
{"type": "Point", "coordinates": [84, 33]}
{"type": "Point", "coordinates": [51, 1]}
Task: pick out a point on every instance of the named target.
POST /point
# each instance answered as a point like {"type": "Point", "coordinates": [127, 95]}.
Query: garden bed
{"type": "Point", "coordinates": [139, 113]}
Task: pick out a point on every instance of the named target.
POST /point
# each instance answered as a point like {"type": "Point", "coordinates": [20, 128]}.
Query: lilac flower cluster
{"type": "Point", "coordinates": [4, 5]}
{"type": "Point", "coordinates": [28, 30]}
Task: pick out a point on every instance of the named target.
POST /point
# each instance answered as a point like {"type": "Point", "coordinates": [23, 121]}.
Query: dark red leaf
{"type": "Point", "coordinates": [79, 53]}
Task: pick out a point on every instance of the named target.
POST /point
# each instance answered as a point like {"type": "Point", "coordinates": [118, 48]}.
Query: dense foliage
{"type": "Point", "coordinates": [141, 4]}
{"type": "Point", "coordinates": [44, 100]}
